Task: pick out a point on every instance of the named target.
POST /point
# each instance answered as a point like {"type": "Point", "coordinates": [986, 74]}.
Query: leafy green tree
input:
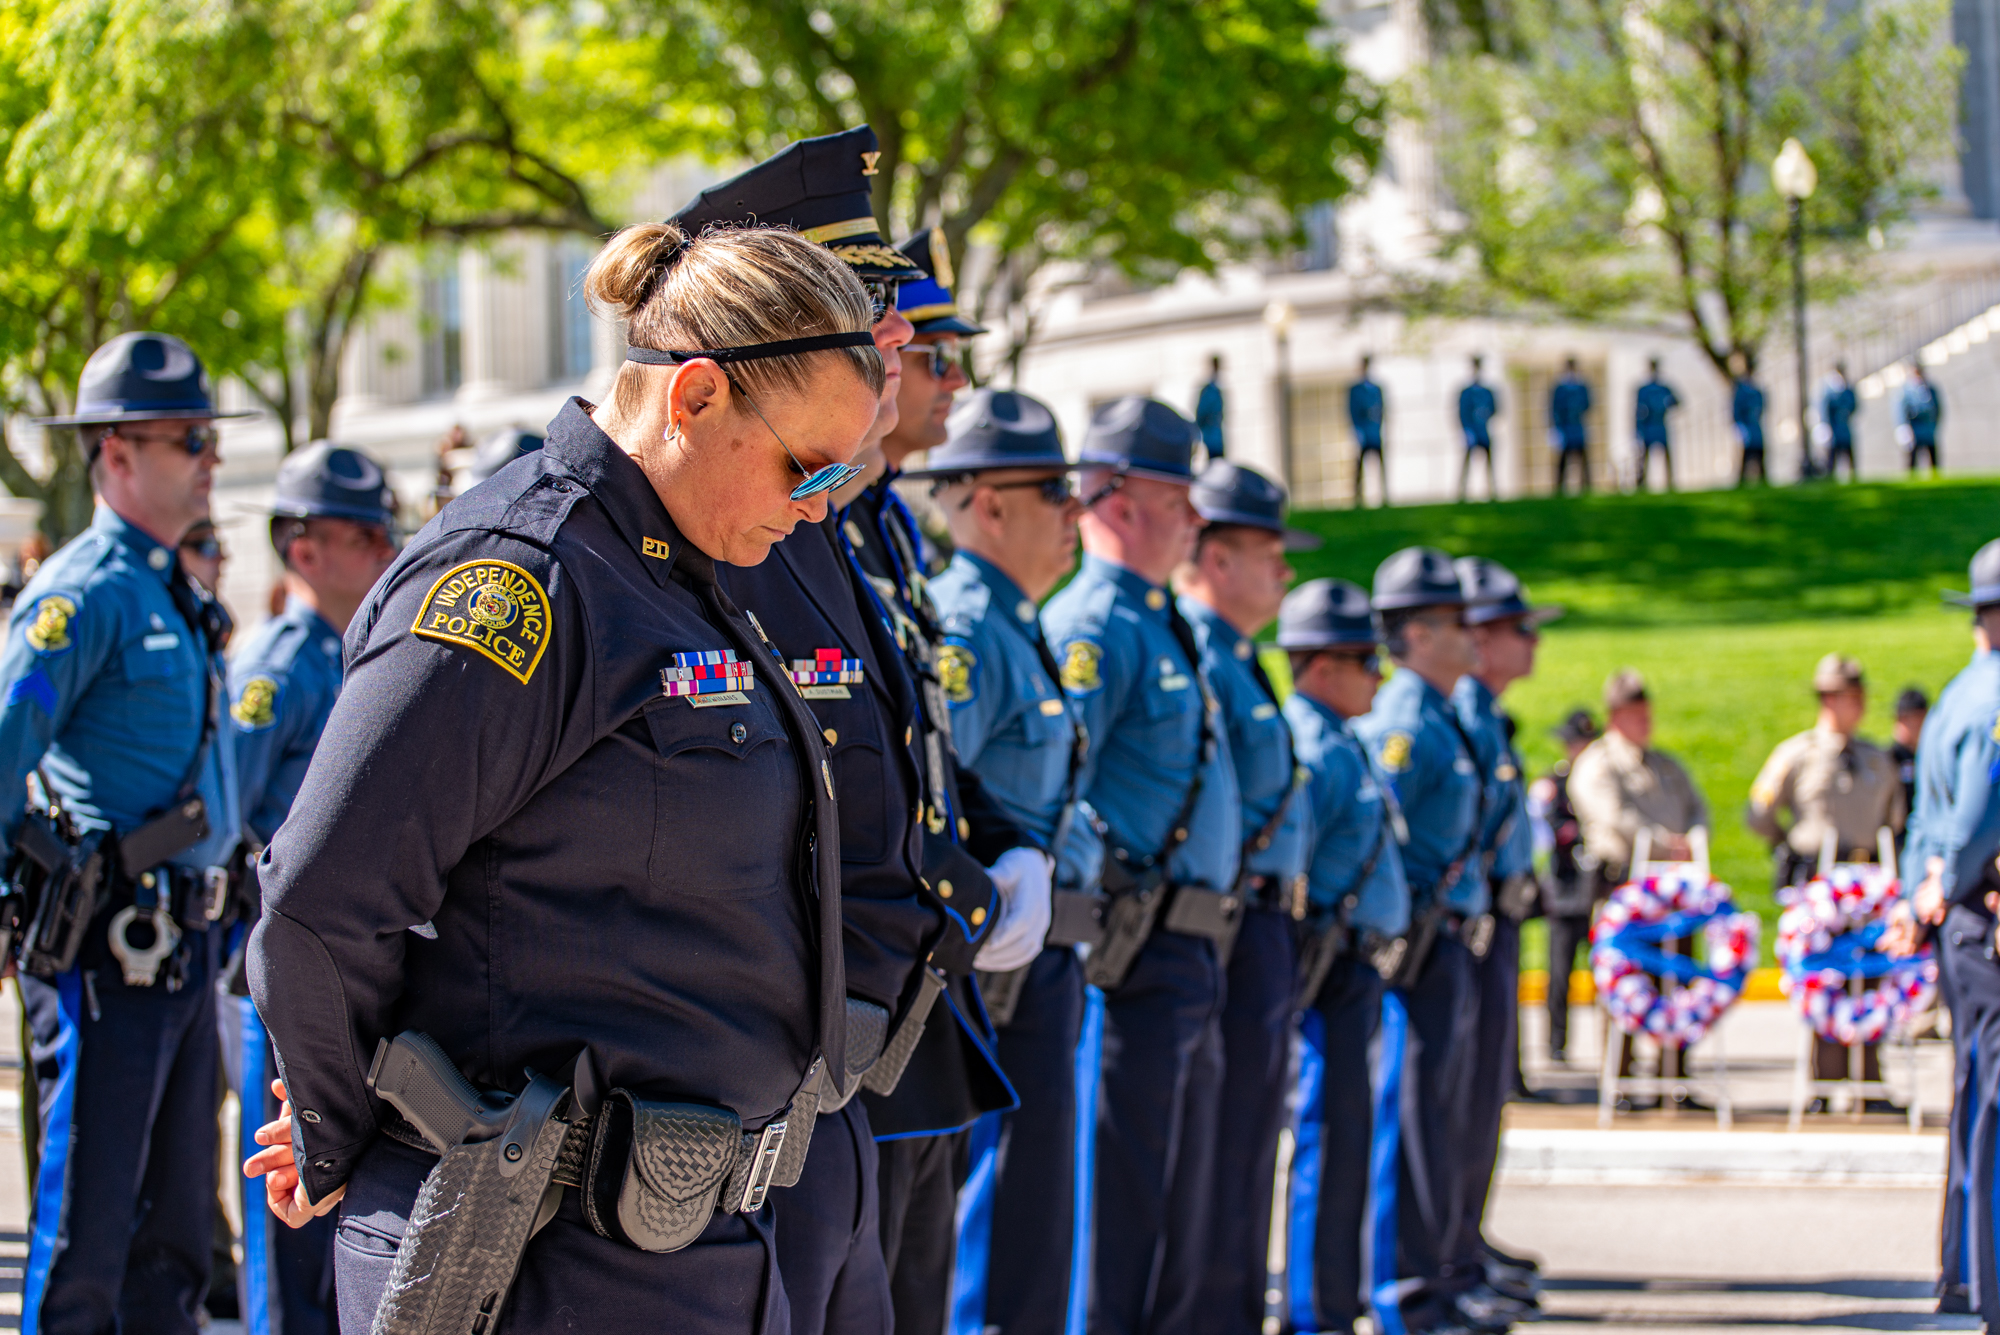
{"type": "Point", "coordinates": [1620, 164]}
{"type": "Point", "coordinates": [1135, 133]}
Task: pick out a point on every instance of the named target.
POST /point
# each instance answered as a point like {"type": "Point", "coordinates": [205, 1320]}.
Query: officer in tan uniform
{"type": "Point", "coordinates": [1827, 779]}
{"type": "Point", "coordinates": [1620, 785]}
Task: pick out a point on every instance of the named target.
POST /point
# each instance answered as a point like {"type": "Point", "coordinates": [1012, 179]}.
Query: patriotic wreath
{"type": "Point", "coordinates": [1626, 956]}
{"type": "Point", "coordinates": [1830, 933]}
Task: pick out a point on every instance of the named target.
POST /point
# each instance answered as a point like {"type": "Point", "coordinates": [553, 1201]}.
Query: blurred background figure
{"type": "Point", "coordinates": [1476, 406]}
{"type": "Point", "coordinates": [1835, 430]}
{"type": "Point", "coordinates": [1208, 410]}
{"type": "Point", "coordinates": [1746, 410]}
{"type": "Point", "coordinates": [1653, 402]}
{"type": "Point", "coordinates": [1573, 886]}
{"type": "Point", "coordinates": [202, 554]}
{"type": "Point", "coordinates": [1569, 427]}
{"type": "Point", "coordinates": [1912, 708]}
{"type": "Point", "coordinates": [1365, 411]}
{"type": "Point", "coordinates": [501, 448]}
{"type": "Point", "coordinates": [1919, 409]}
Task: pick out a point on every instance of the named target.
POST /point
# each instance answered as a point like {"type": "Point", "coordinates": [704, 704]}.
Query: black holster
{"type": "Point", "coordinates": [1423, 934]}
{"type": "Point", "coordinates": [1076, 918]}
{"type": "Point", "coordinates": [1214, 915]}
{"type": "Point", "coordinates": [1133, 905]}
{"type": "Point", "coordinates": [1000, 993]}
{"type": "Point", "coordinates": [58, 880]}
{"type": "Point", "coordinates": [1321, 945]}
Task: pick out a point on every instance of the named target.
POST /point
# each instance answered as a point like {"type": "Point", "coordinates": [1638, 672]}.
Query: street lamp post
{"type": "Point", "coordinates": [1279, 315]}
{"type": "Point", "coordinates": [1796, 177]}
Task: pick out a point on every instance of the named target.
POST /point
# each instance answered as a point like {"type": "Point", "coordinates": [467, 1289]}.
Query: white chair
{"type": "Point", "coordinates": [1612, 1086]}
{"type": "Point", "coordinates": [1806, 1086]}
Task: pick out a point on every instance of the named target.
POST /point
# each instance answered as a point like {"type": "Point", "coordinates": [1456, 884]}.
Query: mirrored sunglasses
{"type": "Point", "coordinates": [941, 357]}
{"type": "Point", "coordinates": [881, 296]}
{"type": "Point", "coordinates": [208, 548]}
{"type": "Point", "coordinates": [198, 436]}
{"type": "Point", "coordinates": [1055, 490]}
{"type": "Point", "coordinates": [817, 480]}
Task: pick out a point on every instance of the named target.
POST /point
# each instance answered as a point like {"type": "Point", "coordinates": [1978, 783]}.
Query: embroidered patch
{"type": "Point", "coordinates": [708, 672]}
{"type": "Point", "coordinates": [653, 547]}
{"type": "Point", "coordinates": [493, 607]}
{"type": "Point", "coordinates": [828, 667]}
{"type": "Point", "coordinates": [256, 707]}
{"type": "Point", "coordinates": [48, 629]}
{"type": "Point", "coordinates": [1396, 752]}
{"type": "Point", "coordinates": [1081, 660]}
{"type": "Point", "coordinates": [957, 667]}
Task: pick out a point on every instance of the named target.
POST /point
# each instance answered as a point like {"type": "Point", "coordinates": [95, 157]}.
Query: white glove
{"type": "Point", "coordinates": [1022, 879]}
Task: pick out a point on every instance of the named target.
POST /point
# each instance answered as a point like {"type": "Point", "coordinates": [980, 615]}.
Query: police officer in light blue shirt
{"type": "Point", "coordinates": [1159, 778]}
{"type": "Point", "coordinates": [1358, 908]}
{"type": "Point", "coordinates": [113, 692]}
{"type": "Point", "coordinates": [331, 519]}
{"type": "Point", "coordinates": [1505, 629]}
{"type": "Point", "coordinates": [1229, 592]}
{"type": "Point", "coordinates": [1002, 483]}
{"type": "Point", "coordinates": [1954, 834]}
{"type": "Point", "coordinates": [1417, 739]}
{"type": "Point", "coordinates": [1569, 424]}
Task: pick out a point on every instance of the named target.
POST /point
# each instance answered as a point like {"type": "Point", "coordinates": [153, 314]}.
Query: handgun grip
{"type": "Point", "coordinates": [413, 1076]}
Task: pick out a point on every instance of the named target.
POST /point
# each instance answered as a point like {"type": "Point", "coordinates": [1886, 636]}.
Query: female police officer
{"type": "Point", "coordinates": [570, 814]}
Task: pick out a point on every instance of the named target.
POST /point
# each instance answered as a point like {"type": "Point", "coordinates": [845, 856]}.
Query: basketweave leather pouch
{"type": "Point", "coordinates": [657, 1169]}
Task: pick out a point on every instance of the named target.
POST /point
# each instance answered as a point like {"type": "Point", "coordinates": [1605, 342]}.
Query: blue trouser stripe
{"type": "Point", "coordinates": [256, 1217]}
{"type": "Point", "coordinates": [1384, 1158]}
{"type": "Point", "coordinates": [53, 1178]}
{"type": "Point", "coordinates": [1302, 1232]}
{"type": "Point", "coordinates": [1969, 1102]}
{"type": "Point", "coordinates": [975, 1228]}
{"type": "Point", "coordinates": [1089, 1079]}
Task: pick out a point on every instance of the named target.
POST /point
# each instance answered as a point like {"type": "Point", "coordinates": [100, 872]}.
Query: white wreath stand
{"type": "Point", "coordinates": [1806, 1086]}
{"type": "Point", "coordinates": [1612, 1086]}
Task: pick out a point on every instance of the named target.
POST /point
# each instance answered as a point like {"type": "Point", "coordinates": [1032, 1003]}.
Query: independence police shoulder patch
{"type": "Point", "coordinates": [958, 671]}
{"type": "Point", "coordinates": [492, 607]}
{"type": "Point", "coordinates": [1081, 673]}
{"type": "Point", "coordinates": [256, 705]}
{"type": "Point", "coordinates": [48, 628]}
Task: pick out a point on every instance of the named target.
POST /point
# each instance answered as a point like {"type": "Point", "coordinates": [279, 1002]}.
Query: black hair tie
{"type": "Point", "coordinates": [751, 352]}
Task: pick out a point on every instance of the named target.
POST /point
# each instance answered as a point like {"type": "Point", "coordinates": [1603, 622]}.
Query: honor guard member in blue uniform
{"type": "Point", "coordinates": [1919, 409]}
{"type": "Point", "coordinates": [1837, 406]}
{"type": "Point", "coordinates": [1953, 837]}
{"type": "Point", "coordinates": [1477, 405]}
{"type": "Point", "coordinates": [570, 817]}
{"type": "Point", "coordinates": [1746, 411]}
{"type": "Point", "coordinates": [113, 695]}
{"type": "Point", "coordinates": [1416, 737]}
{"type": "Point", "coordinates": [1569, 425]}
{"type": "Point", "coordinates": [1654, 400]}
{"type": "Point", "coordinates": [1208, 410]}
{"type": "Point", "coordinates": [1002, 483]}
{"type": "Point", "coordinates": [1365, 411]}
{"type": "Point", "coordinates": [331, 519]}
{"type": "Point", "coordinates": [904, 932]}
{"type": "Point", "coordinates": [1358, 912]}
{"type": "Point", "coordinates": [1160, 781]}
{"type": "Point", "coordinates": [965, 829]}
{"type": "Point", "coordinates": [1229, 592]}
{"type": "Point", "coordinates": [1494, 1287]}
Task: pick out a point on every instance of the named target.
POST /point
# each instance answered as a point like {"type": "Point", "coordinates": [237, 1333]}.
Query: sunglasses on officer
{"type": "Point", "coordinates": [1055, 490]}
{"type": "Point", "coordinates": [196, 438]}
{"type": "Point", "coordinates": [1370, 662]}
{"type": "Point", "coordinates": [818, 481]}
{"type": "Point", "coordinates": [208, 547]}
{"type": "Point", "coordinates": [941, 356]}
{"type": "Point", "coordinates": [881, 297]}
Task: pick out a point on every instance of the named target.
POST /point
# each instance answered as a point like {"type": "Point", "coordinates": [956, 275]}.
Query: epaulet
{"type": "Point", "coordinates": [533, 506]}
{"type": "Point", "coordinates": [970, 606]}
{"type": "Point", "coordinates": [277, 649]}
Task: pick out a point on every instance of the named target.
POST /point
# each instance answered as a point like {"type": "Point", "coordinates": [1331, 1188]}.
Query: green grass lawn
{"type": "Point", "coordinates": [1725, 600]}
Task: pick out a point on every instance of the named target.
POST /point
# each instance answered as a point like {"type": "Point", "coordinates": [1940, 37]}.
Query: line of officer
{"type": "Point", "coordinates": [552, 658]}
{"type": "Point", "coordinates": [1494, 1287]}
{"type": "Point", "coordinates": [1651, 404]}
{"type": "Point", "coordinates": [1954, 834]}
{"type": "Point", "coordinates": [1001, 481]}
{"type": "Point", "coordinates": [113, 694]}
{"type": "Point", "coordinates": [1416, 737]}
{"type": "Point", "coordinates": [1163, 790]}
{"type": "Point", "coordinates": [1229, 593]}
{"type": "Point", "coordinates": [924, 1143]}
{"type": "Point", "coordinates": [1477, 407]}
{"type": "Point", "coordinates": [919, 898]}
{"type": "Point", "coordinates": [332, 516]}
{"type": "Point", "coordinates": [1358, 910]}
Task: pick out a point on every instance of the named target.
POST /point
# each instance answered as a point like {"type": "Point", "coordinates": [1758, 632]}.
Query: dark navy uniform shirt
{"type": "Point", "coordinates": [1413, 736]}
{"type": "Point", "coordinates": [282, 685]}
{"type": "Point", "coordinates": [522, 837]}
{"type": "Point", "coordinates": [1746, 409]}
{"type": "Point", "coordinates": [1837, 406]}
{"type": "Point", "coordinates": [1569, 413]}
{"type": "Point", "coordinates": [1142, 697]}
{"type": "Point", "coordinates": [1351, 807]}
{"type": "Point", "coordinates": [1364, 413]}
{"type": "Point", "coordinates": [1957, 817]}
{"type": "Point", "coordinates": [105, 691]}
{"type": "Point", "coordinates": [1260, 746]}
{"type": "Point", "coordinates": [1476, 407]}
{"type": "Point", "coordinates": [1655, 400]}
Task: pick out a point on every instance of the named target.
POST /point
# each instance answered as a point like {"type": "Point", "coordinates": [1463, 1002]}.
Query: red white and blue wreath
{"type": "Point", "coordinates": [1627, 954]}
{"type": "Point", "coordinates": [1830, 934]}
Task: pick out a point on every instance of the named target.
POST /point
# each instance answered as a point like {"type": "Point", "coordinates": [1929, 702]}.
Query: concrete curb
{"type": "Point", "coordinates": [1542, 1157]}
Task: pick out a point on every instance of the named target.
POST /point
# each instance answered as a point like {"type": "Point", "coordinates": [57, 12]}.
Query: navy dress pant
{"type": "Point", "coordinates": [1429, 1181]}
{"type": "Point", "coordinates": [1329, 1200]}
{"type": "Point", "coordinates": [1155, 1128]}
{"type": "Point", "coordinates": [1966, 940]}
{"type": "Point", "coordinates": [1488, 1064]}
{"type": "Point", "coordinates": [829, 1230]}
{"type": "Point", "coordinates": [571, 1279]}
{"type": "Point", "coordinates": [1256, 1043]}
{"type": "Point", "coordinates": [122, 1209]}
{"type": "Point", "coordinates": [918, 1179]}
{"type": "Point", "coordinates": [1033, 1235]}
